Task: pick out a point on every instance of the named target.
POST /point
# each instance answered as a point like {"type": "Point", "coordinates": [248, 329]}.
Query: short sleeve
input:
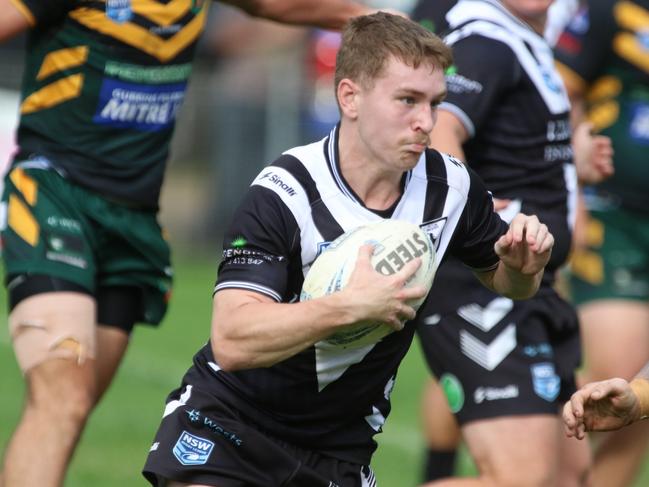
{"type": "Point", "coordinates": [479, 229]}
{"type": "Point", "coordinates": [260, 245]}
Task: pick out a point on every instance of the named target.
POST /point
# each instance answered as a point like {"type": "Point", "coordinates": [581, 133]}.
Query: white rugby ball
{"type": "Point", "coordinates": [396, 242]}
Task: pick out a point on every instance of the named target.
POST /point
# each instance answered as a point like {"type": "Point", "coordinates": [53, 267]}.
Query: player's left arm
{"type": "Point", "coordinates": [326, 14]}
{"type": "Point", "coordinates": [15, 18]}
{"type": "Point", "coordinates": [508, 259]}
{"type": "Point", "coordinates": [524, 250]}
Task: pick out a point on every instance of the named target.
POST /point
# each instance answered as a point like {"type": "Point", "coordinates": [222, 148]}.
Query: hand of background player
{"type": "Point", "coordinates": [527, 245]}
{"type": "Point", "coordinates": [593, 155]}
{"type": "Point", "coordinates": [374, 296]}
{"type": "Point", "coordinates": [600, 406]}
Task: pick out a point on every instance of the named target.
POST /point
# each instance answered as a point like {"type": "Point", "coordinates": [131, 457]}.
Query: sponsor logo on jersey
{"type": "Point", "coordinates": [248, 257]}
{"type": "Point", "coordinates": [192, 450]}
{"type": "Point", "coordinates": [482, 394]}
{"type": "Point", "coordinates": [453, 390]}
{"type": "Point", "coordinates": [277, 181]}
{"type": "Point", "coordinates": [134, 73]}
{"type": "Point", "coordinates": [540, 350]}
{"type": "Point", "coordinates": [550, 81]}
{"type": "Point", "coordinates": [639, 127]}
{"type": "Point", "coordinates": [457, 83]}
{"type": "Point", "coordinates": [119, 11]}
{"type": "Point", "coordinates": [546, 382]}
{"type": "Point", "coordinates": [146, 108]}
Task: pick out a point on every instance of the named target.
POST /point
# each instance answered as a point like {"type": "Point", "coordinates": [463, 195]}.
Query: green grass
{"type": "Point", "coordinates": [118, 436]}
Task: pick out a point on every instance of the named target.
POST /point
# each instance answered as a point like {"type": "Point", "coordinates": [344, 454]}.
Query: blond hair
{"type": "Point", "coordinates": [369, 41]}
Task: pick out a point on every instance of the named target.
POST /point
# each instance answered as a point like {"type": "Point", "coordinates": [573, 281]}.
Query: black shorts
{"type": "Point", "coordinates": [505, 357]}
{"type": "Point", "coordinates": [203, 441]}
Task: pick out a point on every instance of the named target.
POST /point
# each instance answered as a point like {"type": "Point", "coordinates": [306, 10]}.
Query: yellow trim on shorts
{"type": "Point", "coordinates": [22, 221]}
{"type": "Point", "coordinates": [25, 184]}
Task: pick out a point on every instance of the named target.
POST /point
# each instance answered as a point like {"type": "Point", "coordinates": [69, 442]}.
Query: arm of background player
{"type": "Point", "coordinates": [15, 18]}
{"type": "Point", "coordinates": [449, 134]}
{"type": "Point", "coordinates": [524, 250]}
{"type": "Point", "coordinates": [326, 14]}
{"type": "Point", "coordinates": [607, 405]}
{"type": "Point", "coordinates": [250, 330]}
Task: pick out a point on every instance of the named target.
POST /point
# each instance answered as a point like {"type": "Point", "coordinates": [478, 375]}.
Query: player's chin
{"type": "Point", "coordinates": [409, 158]}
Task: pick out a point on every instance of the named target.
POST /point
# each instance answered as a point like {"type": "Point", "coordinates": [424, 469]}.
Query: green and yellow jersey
{"type": "Point", "coordinates": [604, 54]}
{"type": "Point", "coordinates": [103, 84]}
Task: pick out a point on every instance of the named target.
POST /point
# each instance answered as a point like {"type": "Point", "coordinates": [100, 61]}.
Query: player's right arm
{"type": "Point", "coordinates": [326, 14]}
{"type": "Point", "coordinates": [251, 330]}
{"type": "Point", "coordinates": [606, 405]}
{"type": "Point", "coordinates": [15, 18]}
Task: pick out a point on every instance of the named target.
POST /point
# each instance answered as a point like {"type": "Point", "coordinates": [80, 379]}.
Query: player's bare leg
{"type": "Point", "coordinates": [62, 388]}
{"type": "Point", "coordinates": [442, 434]}
{"type": "Point", "coordinates": [515, 451]}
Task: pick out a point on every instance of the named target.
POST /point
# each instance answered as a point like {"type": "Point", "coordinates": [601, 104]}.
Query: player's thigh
{"type": "Point", "coordinates": [53, 325]}
{"type": "Point", "coordinates": [53, 335]}
{"type": "Point", "coordinates": [440, 427]}
{"type": "Point", "coordinates": [615, 337]}
{"type": "Point", "coordinates": [516, 450]}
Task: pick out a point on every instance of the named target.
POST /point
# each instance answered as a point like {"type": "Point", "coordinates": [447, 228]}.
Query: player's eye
{"type": "Point", "coordinates": [408, 100]}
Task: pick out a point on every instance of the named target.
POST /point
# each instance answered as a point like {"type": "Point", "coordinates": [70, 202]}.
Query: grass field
{"type": "Point", "coordinates": [117, 439]}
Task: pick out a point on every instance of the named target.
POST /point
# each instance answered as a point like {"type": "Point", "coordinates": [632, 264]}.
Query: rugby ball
{"type": "Point", "coordinates": [396, 242]}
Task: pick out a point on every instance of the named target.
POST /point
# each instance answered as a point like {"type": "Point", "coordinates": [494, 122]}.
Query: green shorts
{"type": "Point", "coordinates": [615, 264]}
{"type": "Point", "coordinates": [56, 228]}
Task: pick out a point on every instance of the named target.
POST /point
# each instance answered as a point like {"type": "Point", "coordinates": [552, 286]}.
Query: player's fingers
{"type": "Point", "coordinates": [414, 292]}
{"type": "Point", "coordinates": [365, 254]}
{"type": "Point", "coordinates": [503, 244]}
{"type": "Point", "coordinates": [544, 240]}
{"type": "Point", "coordinates": [407, 271]}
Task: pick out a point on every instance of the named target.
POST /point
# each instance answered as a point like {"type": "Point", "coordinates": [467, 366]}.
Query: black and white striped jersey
{"type": "Point", "coordinates": [333, 400]}
{"type": "Point", "coordinates": [506, 91]}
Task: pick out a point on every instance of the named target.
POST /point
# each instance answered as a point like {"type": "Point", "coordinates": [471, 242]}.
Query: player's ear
{"type": "Point", "coordinates": [347, 93]}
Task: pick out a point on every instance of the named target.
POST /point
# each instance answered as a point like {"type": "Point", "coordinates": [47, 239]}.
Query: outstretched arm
{"type": "Point", "coordinates": [326, 14]}
{"type": "Point", "coordinates": [15, 19]}
{"type": "Point", "coordinates": [607, 405]}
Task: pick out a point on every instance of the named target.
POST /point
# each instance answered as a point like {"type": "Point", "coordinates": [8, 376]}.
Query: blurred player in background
{"type": "Point", "coordinates": [441, 430]}
{"type": "Point", "coordinates": [603, 57]}
{"type": "Point", "coordinates": [83, 251]}
{"type": "Point", "coordinates": [269, 401]}
{"type": "Point", "coordinates": [506, 366]}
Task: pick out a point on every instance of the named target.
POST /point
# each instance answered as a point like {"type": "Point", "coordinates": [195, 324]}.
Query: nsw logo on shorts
{"type": "Point", "coordinates": [192, 450]}
{"type": "Point", "coordinates": [547, 383]}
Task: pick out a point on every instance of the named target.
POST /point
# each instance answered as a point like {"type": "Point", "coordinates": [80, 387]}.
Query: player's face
{"type": "Point", "coordinates": [533, 11]}
{"type": "Point", "coordinates": [397, 113]}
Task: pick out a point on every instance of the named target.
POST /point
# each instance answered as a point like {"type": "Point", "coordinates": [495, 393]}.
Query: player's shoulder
{"type": "Point", "coordinates": [441, 168]}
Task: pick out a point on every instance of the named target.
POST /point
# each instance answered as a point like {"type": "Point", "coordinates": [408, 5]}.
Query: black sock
{"type": "Point", "coordinates": [439, 464]}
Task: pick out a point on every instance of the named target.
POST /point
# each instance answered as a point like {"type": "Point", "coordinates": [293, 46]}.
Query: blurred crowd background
{"type": "Point", "coordinates": [257, 88]}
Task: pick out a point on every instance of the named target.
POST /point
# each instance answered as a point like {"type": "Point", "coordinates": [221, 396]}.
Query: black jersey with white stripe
{"type": "Point", "coordinates": [330, 399]}
{"type": "Point", "coordinates": [505, 90]}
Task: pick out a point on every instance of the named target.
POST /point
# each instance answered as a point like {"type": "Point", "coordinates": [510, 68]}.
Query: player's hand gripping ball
{"type": "Point", "coordinates": [395, 243]}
